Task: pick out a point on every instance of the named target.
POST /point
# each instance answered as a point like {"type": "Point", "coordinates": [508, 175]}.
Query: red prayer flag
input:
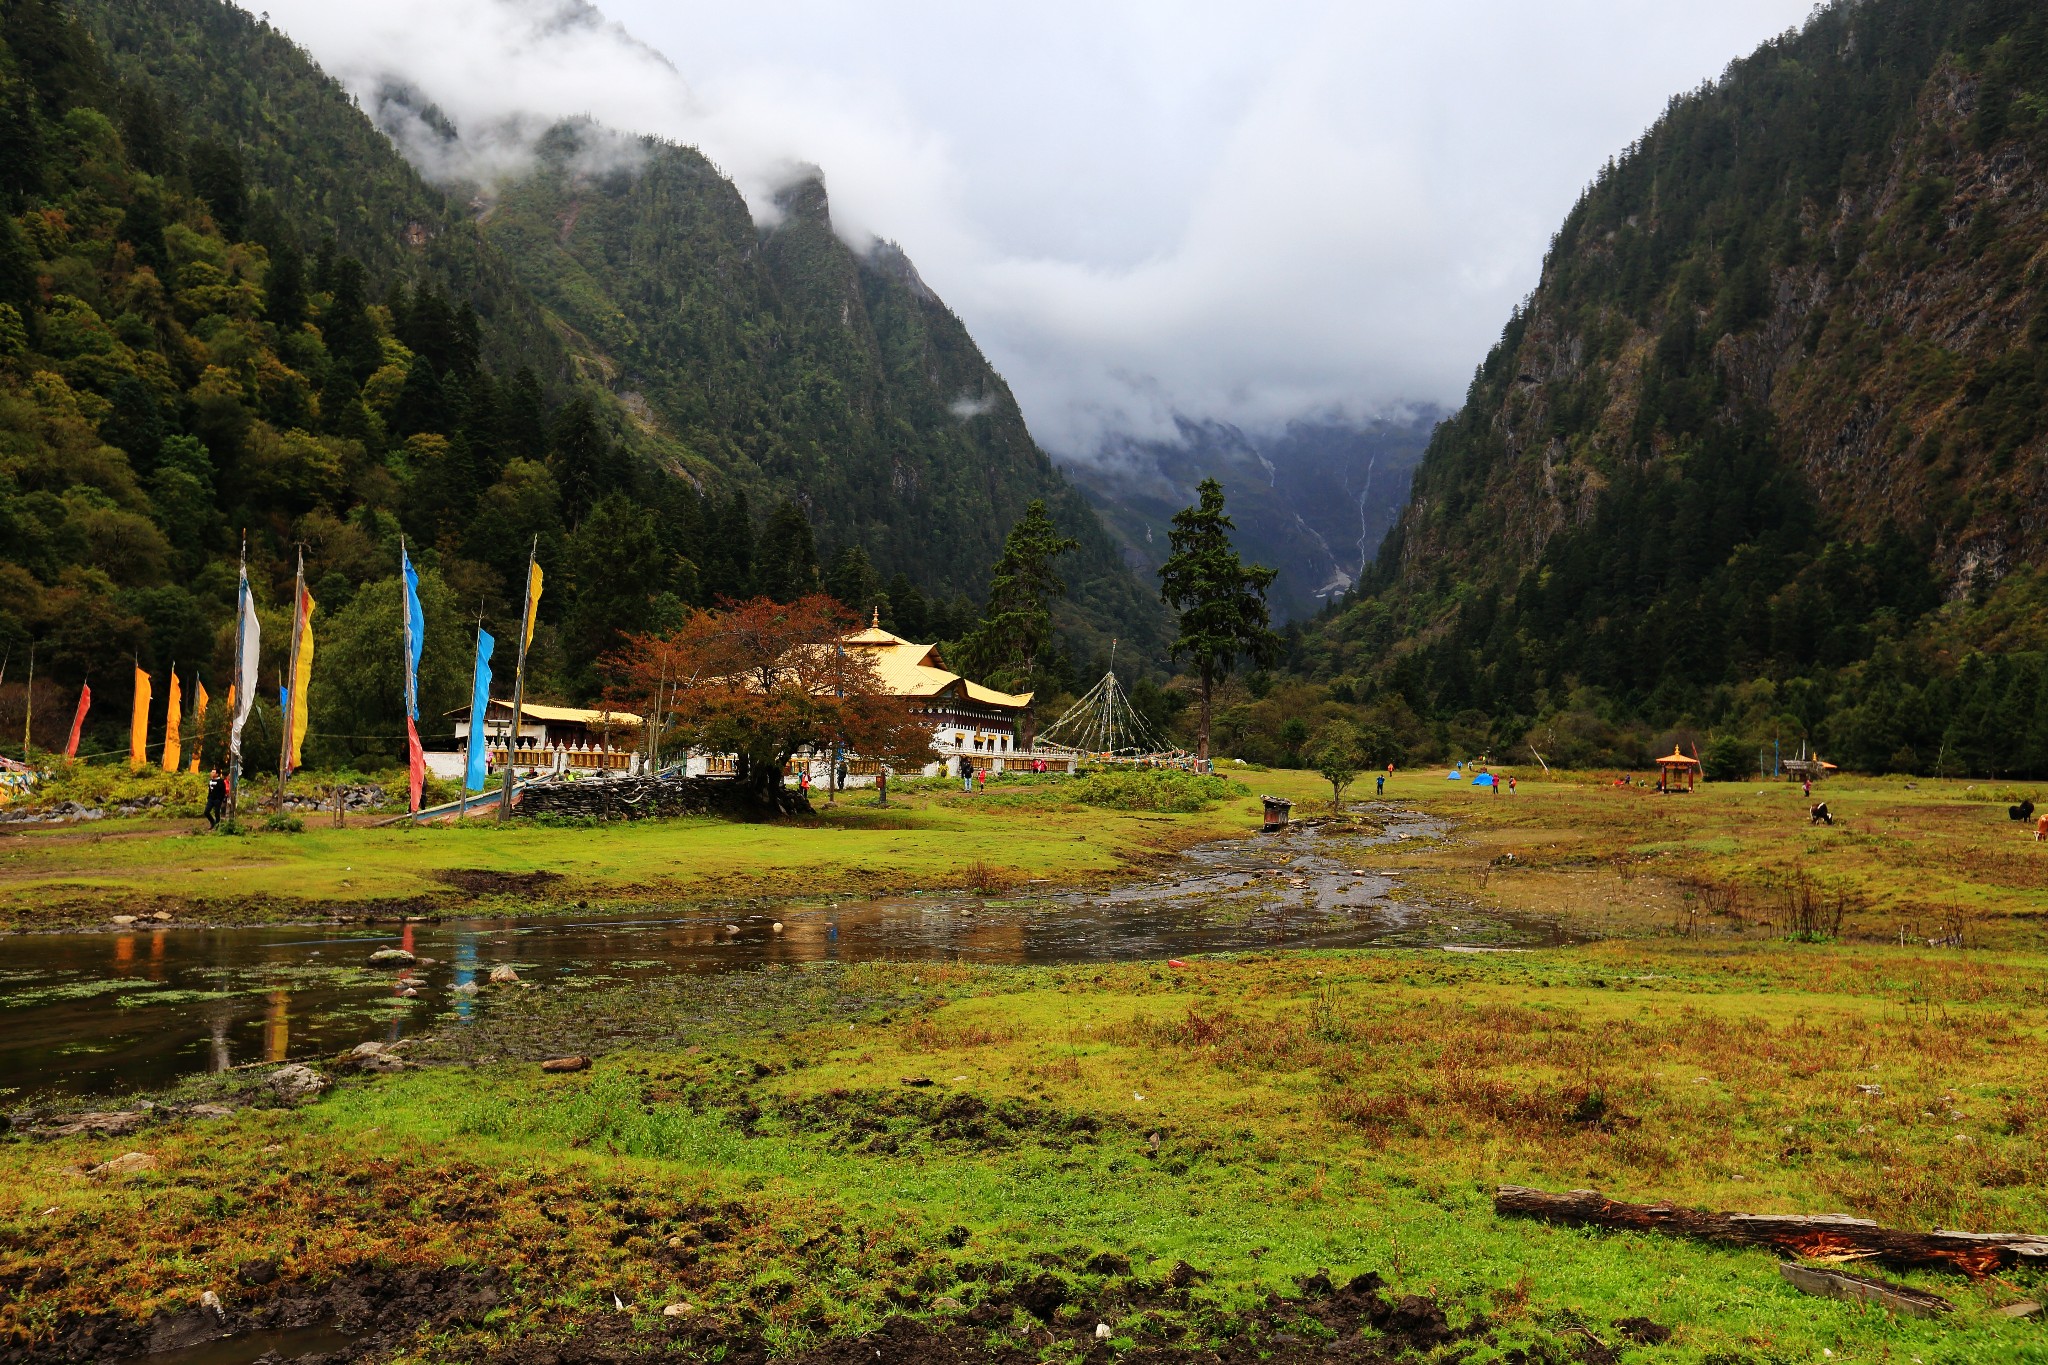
{"type": "Point", "coordinates": [416, 761]}
{"type": "Point", "coordinates": [78, 721]}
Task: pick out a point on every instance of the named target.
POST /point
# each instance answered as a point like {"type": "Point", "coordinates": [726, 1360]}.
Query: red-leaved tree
{"type": "Point", "coordinates": [761, 681]}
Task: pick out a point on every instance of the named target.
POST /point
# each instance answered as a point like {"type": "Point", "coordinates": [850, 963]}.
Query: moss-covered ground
{"type": "Point", "coordinates": [930, 836]}
{"type": "Point", "coordinates": [1904, 860]}
{"type": "Point", "coordinates": [810, 1151]}
{"type": "Point", "coordinates": [1013, 1155]}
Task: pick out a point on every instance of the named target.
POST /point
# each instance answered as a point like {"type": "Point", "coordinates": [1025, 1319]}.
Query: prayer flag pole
{"type": "Point", "coordinates": [478, 740]}
{"type": "Point", "coordinates": [292, 700]}
{"type": "Point", "coordinates": [526, 611]}
{"type": "Point", "coordinates": [414, 760]}
{"type": "Point", "coordinates": [28, 700]}
{"type": "Point", "coordinates": [245, 678]}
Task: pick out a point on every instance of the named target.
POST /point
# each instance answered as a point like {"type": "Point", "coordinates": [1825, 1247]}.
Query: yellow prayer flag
{"type": "Point", "coordinates": [533, 577]}
{"type": "Point", "coordinates": [173, 705]}
{"type": "Point", "coordinates": [301, 676]}
{"type": "Point", "coordinates": [138, 729]}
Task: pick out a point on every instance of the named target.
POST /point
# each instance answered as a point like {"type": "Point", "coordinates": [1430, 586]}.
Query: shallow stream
{"type": "Point", "coordinates": [106, 1014]}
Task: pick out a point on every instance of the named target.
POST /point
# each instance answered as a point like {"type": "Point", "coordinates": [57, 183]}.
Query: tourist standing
{"type": "Point", "coordinates": [216, 797]}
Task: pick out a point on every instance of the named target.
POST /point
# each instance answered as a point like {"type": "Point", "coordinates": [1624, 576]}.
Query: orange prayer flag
{"type": "Point", "coordinates": [173, 719]}
{"type": "Point", "coordinates": [138, 728]}
{"type": "Point", "coordinates": [198, 723]}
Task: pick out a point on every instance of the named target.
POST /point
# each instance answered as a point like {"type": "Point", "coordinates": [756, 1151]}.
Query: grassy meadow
{"type": "Point", "coordinates": [1905, 860]}
{"type": "Point", "coordinates": [931, 836]}
{"type": "Point", "coordinates": [770, 1162]}
{"type": "Point", "coordinates": [850, 1144]}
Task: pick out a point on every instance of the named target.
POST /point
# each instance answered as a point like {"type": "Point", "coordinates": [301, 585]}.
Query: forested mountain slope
{"type": "Point", "coordinates": [230, 311]}
{"type": "Point", "coordinates": [234, 82]}
{"type": "Point", "coordinates": [1781, 393]}
{"type": "Point", "coordinates": [782, 363]}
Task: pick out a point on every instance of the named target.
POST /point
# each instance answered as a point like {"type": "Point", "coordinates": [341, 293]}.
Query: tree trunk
{"type": "Point", "coordinates": [1811, 1235]}
{"type": "Point", "coordinates": [1202, 737]}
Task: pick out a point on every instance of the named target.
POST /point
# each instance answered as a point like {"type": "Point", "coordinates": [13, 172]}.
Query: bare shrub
{"type": "Point", "coordinates": [1813, 915]}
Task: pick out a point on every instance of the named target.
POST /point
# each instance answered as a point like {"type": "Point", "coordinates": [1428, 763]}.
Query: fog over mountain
{"type": "Point", "coordinates": [1313, 500]}
{"type": "Point", "coordinates": [1149, 215]}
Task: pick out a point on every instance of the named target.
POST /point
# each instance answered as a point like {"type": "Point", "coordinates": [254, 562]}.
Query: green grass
{"type": "Point", "coordinates": [1917, 859]}
{"type": "Point", "coordinates": [1348, 1111]}
{"type": "Point", "coordinates": [1262, 1078]}
{"type": "Point", "coordinates": [932, 840]}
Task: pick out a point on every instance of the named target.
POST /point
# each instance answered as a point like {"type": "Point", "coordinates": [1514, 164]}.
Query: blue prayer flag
{"type": "Point", "coordinates": [415, 634]}
{"type": "Point", "coordinates": [479, 709]}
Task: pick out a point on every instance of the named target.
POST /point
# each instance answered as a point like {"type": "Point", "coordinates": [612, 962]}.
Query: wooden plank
{"type": "Point", "coordinates": [1840, 1284]}
{"type": "Point", "coordinates": [1816, 1236]}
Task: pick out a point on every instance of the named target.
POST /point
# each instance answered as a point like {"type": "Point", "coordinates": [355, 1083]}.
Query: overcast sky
{"type": "Point", "coordinates": [1246, 212]}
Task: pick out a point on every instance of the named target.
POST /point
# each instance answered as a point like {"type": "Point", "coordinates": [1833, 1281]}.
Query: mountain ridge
{"type": "Point", "coordinates": [1312, 499]}
{"type": "Point", "coordinates": [1769, 433]}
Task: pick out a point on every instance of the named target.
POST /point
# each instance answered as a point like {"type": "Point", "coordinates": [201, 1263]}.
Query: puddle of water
{"type": "Point", "coordinates": [100, 1014]}
{"type": "Point", "coordinates": [283, 1343]}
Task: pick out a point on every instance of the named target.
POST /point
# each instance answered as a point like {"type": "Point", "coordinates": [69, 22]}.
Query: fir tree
{"type": "Point", "coordinates": [1022, 588]}
{"type": "Point", "coordinates": [284, 287]}
{"type": "Point", "coordinates": [216, 173]}
{"type": "Point", "coordinates": [786, 564]}
{"type": "Point", "coordinates": [852, 579]}
{"type": "Point", "coordinates": [582, 459]}
{"type": "Point", "coordinates": [1220, 602]}
{"type": "Point", "coordinates": [906, 613]}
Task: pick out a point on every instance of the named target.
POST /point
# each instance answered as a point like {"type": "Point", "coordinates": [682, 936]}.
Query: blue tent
{"type": "Point", "coordinates": [1483, 780]}
{"type": "Point", "coordinates": [1454, 776]}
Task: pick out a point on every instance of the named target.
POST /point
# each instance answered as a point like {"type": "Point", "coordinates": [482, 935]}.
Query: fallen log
{"type": "Point", "coordinates": [1815, 1236]}
{"type": "Point", "coordinates": [1840, 1284]}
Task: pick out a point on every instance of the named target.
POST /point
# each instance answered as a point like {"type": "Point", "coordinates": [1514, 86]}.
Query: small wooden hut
{"type": "Point", "coordinates": [1676, 772]}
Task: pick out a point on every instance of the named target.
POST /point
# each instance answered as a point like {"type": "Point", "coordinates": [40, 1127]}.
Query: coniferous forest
{"type": "Point", "coordinates": [1757, 464]}
{"type": "Point", "coordinates": [231, 313]}
{"type": "Point", "coordinates": [1761, 459]}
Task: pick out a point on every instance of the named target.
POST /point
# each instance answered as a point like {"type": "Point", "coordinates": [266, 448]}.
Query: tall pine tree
{"type": "Point", "coordinates": [1219, 601]}
{"type": "Point", "coordinates": [1021, 590]}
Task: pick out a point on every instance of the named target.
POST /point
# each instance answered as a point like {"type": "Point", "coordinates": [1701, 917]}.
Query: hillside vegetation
{"type": "Point", "coordinates": [786, 364]}
{"type": "Point", "coordinates": [1763, 452]}
{"type": "Point", "coordinates": [231, 313]}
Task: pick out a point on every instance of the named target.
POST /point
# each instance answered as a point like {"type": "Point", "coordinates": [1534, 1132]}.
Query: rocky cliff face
{"type": "Point", "coordinates": [1768, 444]}
{"type": "Point", "coordinates": [1884, 314]}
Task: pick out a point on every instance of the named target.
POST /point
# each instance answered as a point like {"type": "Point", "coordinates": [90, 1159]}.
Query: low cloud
{"type": "Point", "coordinates": [495, 150]}
{"type": "Point", "coordinates": [1144, 211]}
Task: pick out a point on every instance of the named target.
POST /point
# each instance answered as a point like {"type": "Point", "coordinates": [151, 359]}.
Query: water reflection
{"type": "Point", "coordinates": [464, 985]}
{"type": "Point", "coordinates": [277, 1024]}
{"type": "Point", "coordinates": [75, 1022]}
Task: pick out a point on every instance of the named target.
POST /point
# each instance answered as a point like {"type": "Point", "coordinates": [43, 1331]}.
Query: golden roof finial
{"type": "Point", "coordinates": [878, 616]}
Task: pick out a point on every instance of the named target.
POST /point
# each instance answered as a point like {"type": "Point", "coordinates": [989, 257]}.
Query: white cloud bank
{"type": "Point", "coordinates": [1141, 208]}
